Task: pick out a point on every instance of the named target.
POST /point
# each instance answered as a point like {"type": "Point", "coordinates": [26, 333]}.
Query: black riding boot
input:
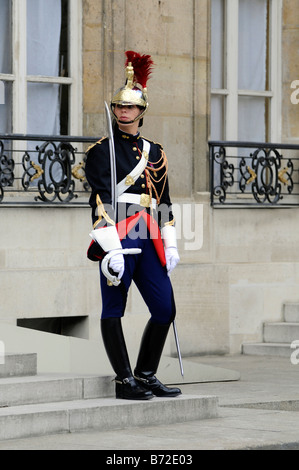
{"type": "Point", "coordinates": [125, 384]}
{"type": "Point", "coordinates": [151, 348]}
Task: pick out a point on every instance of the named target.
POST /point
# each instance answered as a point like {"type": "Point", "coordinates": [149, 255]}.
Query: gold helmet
{"type": "Point", "coordinates": [138, 70]}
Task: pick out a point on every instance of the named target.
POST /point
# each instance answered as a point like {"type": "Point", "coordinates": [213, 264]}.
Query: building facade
{"type": "Point", "coordinates": [225, 71]}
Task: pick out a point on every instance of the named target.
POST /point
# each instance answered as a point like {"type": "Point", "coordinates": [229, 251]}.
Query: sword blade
{"type": "Point", "coordinates": [112, 158]}
{"type": "Point", "coordinates": [178, 347]}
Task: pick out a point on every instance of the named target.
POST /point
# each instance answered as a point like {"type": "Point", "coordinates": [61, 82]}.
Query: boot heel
{"type": "Point", "coordinates": [128, 389]}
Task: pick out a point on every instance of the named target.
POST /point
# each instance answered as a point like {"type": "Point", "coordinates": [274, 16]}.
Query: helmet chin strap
{"type": "Point", "coordinates": [126, 122]}
{"type": "Point", "coordinates": [131, 122]}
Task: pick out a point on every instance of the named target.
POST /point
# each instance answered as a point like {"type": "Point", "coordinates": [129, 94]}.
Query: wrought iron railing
{"type": "Point", "coordinates": [37, 169]}
{"type": "Point", "coordinates": [254, 174]}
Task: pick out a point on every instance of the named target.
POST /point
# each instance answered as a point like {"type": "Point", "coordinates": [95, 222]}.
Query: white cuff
{"type": "Point", "coordinates": [168, 233]}
{"type": "Point", "coordinates": [107, 238]}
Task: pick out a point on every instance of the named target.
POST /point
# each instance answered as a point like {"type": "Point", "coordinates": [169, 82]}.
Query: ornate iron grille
{"type": "Point", "coordinates": [43, 169]}
{"type": "Point", "coordinates": [254, 174]}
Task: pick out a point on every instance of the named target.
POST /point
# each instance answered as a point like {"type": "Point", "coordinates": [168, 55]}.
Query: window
{"type": "Point", "coordinates": [245, 70]}
{"type": "Point", "coordinates": [6, 66]}
{"type": "Point", "coordinates": [40, 68]}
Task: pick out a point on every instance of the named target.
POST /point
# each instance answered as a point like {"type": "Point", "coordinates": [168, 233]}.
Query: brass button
{"type": "Point", "coordinates": [137, 158]}
{"type": "Point", "coordinates": [134, 148]}
{"type": "Point", "coordinates": [143, 185]}
{"type": "Point", "coordinates": [145, 200]}
{"type": "Point", "coordinates": [141, 176]}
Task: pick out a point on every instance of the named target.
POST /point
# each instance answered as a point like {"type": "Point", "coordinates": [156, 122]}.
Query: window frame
{"type": "Point", "coordinates": [231, 92]}
{"type": "Point", "coordinates": [20, 79]}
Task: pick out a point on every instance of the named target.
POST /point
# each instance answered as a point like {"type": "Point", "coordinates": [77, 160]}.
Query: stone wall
{"type": "Point", "coordinates": [175, 34]}
{"type": "Point", "coordinates": [247, 267]}
{"type": "Point", "coordinates": [44, 272]}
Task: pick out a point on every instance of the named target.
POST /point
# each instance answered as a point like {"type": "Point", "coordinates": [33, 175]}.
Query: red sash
{"type": "Point", "coordinates": [125, 226]}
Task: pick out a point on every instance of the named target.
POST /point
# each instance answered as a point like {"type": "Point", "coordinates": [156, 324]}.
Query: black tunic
{"type": "Point", "coordinates": [128, 150]}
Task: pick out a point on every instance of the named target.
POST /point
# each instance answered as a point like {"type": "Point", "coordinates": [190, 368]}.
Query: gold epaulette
{"type": "Point", "coordinates": [102, 213]}
{"type": "Point", "coordinates": [153, 142]}
{"type": "Point", "coordinates": [98, 142]}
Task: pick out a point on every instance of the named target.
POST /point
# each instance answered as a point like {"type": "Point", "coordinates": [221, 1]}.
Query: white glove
{"type": "Point", "coordinates": [117, 264]}
{"type": "Point", "coordinates": [172, 258]}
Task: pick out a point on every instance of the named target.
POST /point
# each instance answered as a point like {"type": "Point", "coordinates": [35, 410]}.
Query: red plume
{"type": "Point", "coordinates": [142, 65]}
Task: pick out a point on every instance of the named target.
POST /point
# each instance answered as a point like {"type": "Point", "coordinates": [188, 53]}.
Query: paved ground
{"type": "Point", "coordinates": [260, 411]}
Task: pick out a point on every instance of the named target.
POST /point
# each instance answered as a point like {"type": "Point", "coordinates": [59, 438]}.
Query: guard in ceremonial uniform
{"type": "Point", "coordinates": [142, 220]}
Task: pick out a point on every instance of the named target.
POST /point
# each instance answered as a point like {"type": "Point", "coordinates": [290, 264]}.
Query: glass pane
{"type": "Point", "coordinates": [252, 44]}
{"type": "Point", "coordinates": [5, 36]}
{"type": "Point", "coordinates": [252, 119]}
{"type": "Point", "coordinates": [47, 109]}
{"type": "Point", "coordinates": [47, 49]}
{"type": "Point", "coordinates": [43, 107]}
{"type": "Point", "coordinates": [217, 44]}
{"type": "Point", "coordinates": [217, 117]}
{"type": "Point", "coordinates": [43, 37]}
{"type": "Point", "coordinates": [5, 107]}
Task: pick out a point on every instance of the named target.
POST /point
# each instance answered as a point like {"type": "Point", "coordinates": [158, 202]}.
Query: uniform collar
{"type": "Point", "coordinates": [127, 137]}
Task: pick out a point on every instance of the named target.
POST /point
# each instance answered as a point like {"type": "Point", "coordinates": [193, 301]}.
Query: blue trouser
{"type": "Point", "coordinates": [150, 277]}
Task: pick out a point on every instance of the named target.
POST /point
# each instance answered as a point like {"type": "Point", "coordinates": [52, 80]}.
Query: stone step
{"type": "Point", "coordinates": [53, 388]}
{"type": "Point", "coordinates": [17, 365]}
{"type": "Point", "coordinates": [281, 332]}
{"type": "Point", "coordinates": [102, 414]}
{"type": "Point", "coordinates": [278, 336]}
{"type": "Point", "coordinates": [291, 312]}
{"type": "Point", "coordinates": [267, 349]}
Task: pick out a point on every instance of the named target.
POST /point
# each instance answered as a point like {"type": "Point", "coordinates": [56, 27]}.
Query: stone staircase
{"type": "Point", "coordinates": [34, 405]}
{"type": "Point", "coordinates": [277, 336]}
